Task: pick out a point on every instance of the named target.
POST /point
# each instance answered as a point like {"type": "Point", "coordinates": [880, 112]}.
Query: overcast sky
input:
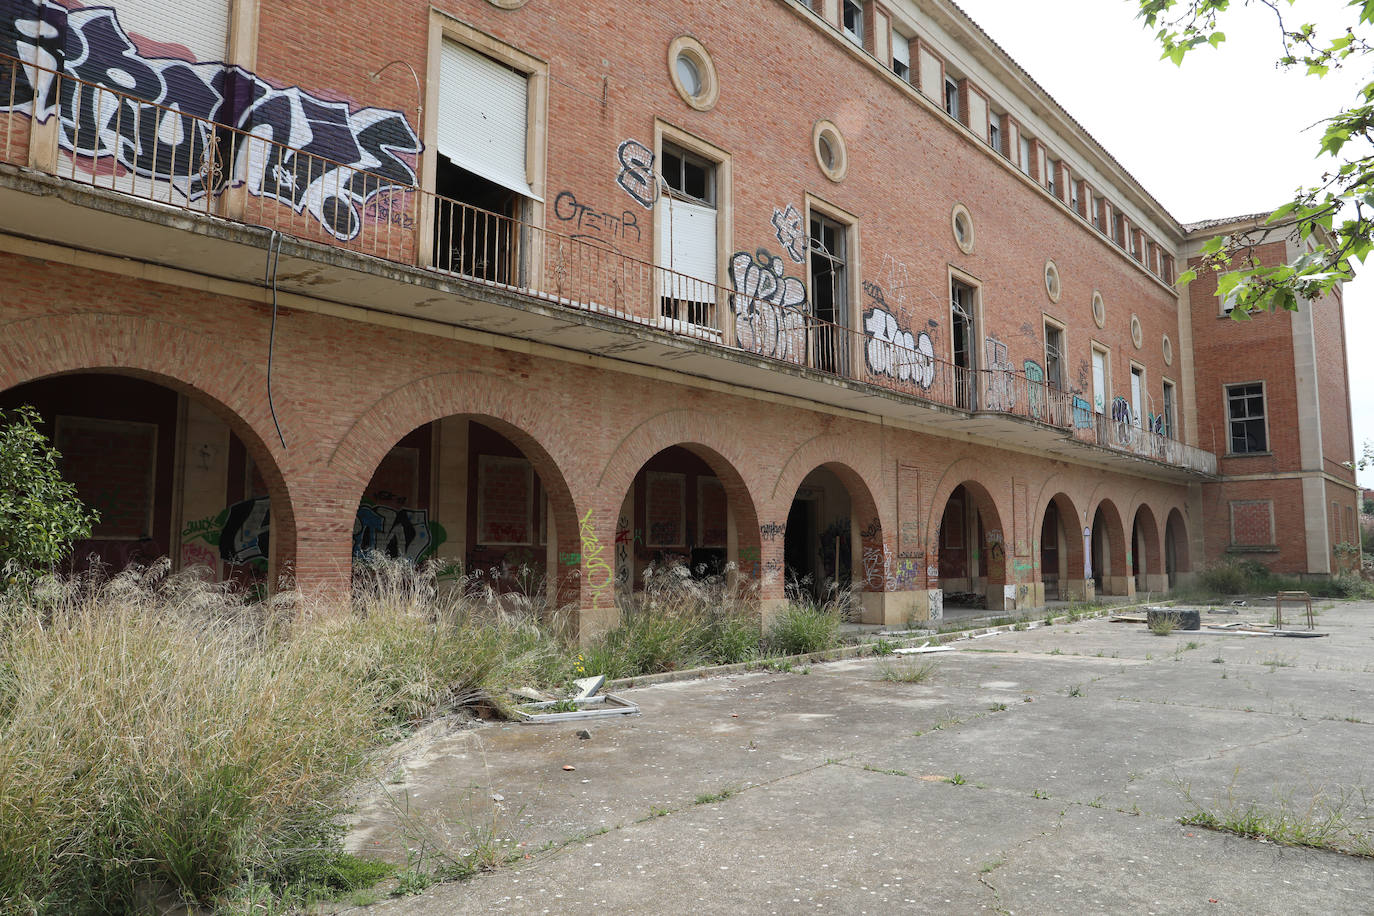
{"type": "Point", "coordinates": [1223, 135]}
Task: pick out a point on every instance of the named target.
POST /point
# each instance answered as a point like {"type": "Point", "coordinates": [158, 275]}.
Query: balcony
{"type": "Point", "coordinates": [89, 167]}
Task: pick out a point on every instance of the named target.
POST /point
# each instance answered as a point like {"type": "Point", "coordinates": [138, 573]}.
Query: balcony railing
{"type": "Point", "coordinates": [102, 137]}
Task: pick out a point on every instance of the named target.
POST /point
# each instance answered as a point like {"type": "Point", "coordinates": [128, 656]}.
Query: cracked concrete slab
{"type": "Point", "coordinates": [838, 791]}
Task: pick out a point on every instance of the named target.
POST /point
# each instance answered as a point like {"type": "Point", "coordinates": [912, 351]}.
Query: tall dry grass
{"type": "Point", "coordinates": [158, 732]}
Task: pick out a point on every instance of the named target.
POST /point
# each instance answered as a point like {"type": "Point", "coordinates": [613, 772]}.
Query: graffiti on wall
{"type": "Point", "coordinates": [591, 224]}
{"type": "Point", "coordinates": [332, 145]}
{"type": "Point", "coordinates": [892, 350]}
{"type": "Point", "coordinates": [772, 531]}
{"type": "Point", "coordinates": [770, 308]}
{"type": "Point", "coordinates": [1121, 416]}
{"type": "Point", "coordinates": [1001, 376]}
{"type": "Point", "coordinates": [1035, 388]}
{"type": "Point", "coordinates": [790, 228]}
{"type": "Point", "coordinates": [239, 534]}
{"type": "Point", "coordinates": [636, 176]}
{"type": "Point", "coordinates": [600, 577]}
{"type": "Point", "coordinates": [398, 533]}
{"type": "Point", "coordinates": [1082, 413]}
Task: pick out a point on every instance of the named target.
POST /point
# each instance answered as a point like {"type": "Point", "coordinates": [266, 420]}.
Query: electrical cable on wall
{"type": "Point", "coordinates": [270, 276]}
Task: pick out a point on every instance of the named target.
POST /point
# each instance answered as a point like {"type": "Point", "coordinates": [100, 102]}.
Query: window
{"type": "Point", "coordinates": [482, 169]}
{"type": "Point", "coordinates": [962, 223]}
{"type": "Point", "coordinates": [964, 337]}
{"type": "Point", "coordinates": [995, 134]}
{"type": "Point", "coordinates": [692, 73]}
{"type": "Point", "coordinates": [1052, 176]}
{"type": "Point", "coordinates": [1135, 245]}
{"type": "Point", "coordinates": [1137, 396]}
{"type": "Point", "coordinates": [687, 219]}
{"type": "Point", "coordinates": [1245, 409]}
{"type": "Point", "coordinates": [854, 22]}
{"type": "Point", "coordinates": [1118, 234]}
{"type": "Point", "coordinates": [1100, 392]}
{"type": "Point", "coordinates": [828, 145]}
{"type": "Point", "coordinates": [951, 98]}
{"type": "Point", "coordinates": [1054, 355]}
{"type": "Point", "coordinates": [829, 293]}
{"type": "Point", "coordinates": [1168, 415]}
{"type": "Point", "coordinates": [901, 55]}
{"type": "Point", "coordinates": [1025, 154]}
{"type": "Point", "coordinates": [1073, 195]}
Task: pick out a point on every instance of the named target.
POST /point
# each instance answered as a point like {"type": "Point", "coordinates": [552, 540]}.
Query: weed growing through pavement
{"type": "Point", "coordinates": [1335, 819]}
{"type": "Point", "coordinates": [957, 779]}
{"type": "Point", "coordinates": [907, 671]}
{"type": "Point", "coordinates": [998, 707]}
{"type": "Point", "coordinates": [1075, 690]}
{"type": "Point", "coordinates": [710, 798]}
{"type": "Point", "coordinates": [1163, 624]}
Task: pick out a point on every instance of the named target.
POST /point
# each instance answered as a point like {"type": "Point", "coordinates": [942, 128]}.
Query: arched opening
{"type": "Point", "coordinates": [1110, 570]}
{"type": "Point", "coordinates": [972, 550]}
{"type": "Point", "coordinates": [1061, 551]}
{"type": "Point", "coordinates": [1147, 564]}
{"type": "Point", "coordinates": [686, 506]}
{"type": "Point", "coordinates": [833, 541]}
{"type": "Point", "coordinates": [1177, 560]}
{"type": "Point", "coordinates": [481, 498]}
{"type": "Point", "coordinates": [171, 474]}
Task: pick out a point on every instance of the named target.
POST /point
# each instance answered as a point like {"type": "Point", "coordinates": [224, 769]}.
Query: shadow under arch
{"type": "Point", "coordinates": [191, 365]}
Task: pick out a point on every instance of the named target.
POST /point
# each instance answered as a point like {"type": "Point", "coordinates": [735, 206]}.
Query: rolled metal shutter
{"type": "Point", "coordinates": [483, 106]}
{"type": "Point", "coordinates": [687, 245]}
{"type": "Point", "coordinates": [201, 26]}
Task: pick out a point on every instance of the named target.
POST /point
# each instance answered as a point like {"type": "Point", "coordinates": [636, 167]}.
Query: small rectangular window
{"type": "Point", "coordinates": [1052, 176]}
{"type": "Point", "coordinates": [1245, 413]}
{"type": "Point", "coordinates": [1073, 194]}
{"type": "Point", "coordinates": [1054, 356]}
{"type": "Point", "coordinates": [1025, 154]}
{"type": "Point", "coordinates": [854, 22]}
{"type": "Point", "coordinates": [951, 98]}
{"type": "Point", "coordinates": [901, 55]}
{"type": "Point", "coordinates": [689, 177]}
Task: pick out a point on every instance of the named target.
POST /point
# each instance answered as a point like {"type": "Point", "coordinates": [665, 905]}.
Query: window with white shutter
{"type": "Point", "coordinates": [483, 111]}
{"type": "Point", "coordinates": [201, 26]}
{"type": "Point", "coordinates": [687, 219]}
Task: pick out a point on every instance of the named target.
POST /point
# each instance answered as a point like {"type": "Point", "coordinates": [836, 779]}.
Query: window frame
{"type": "Point", "coordinates": [1051, 324]}
{"type": "Point", "coordinates": [857, 6]}
{"type": "Point", "coordinates": [1169, 396]}
{"type": "Point", "coordinates": [442, 28]}
{"type": "Point", "coordinates": [1263, 418]}
{"type": "Point", "coordinates": [1140, 397]}
{"type": "Point", "coordinates": [695, 147]}
{"type": "Point", "coordinates": [1096, 346]}
{"type": "Point", "coordinates": [952, 97]}
{"type": "Point", "coordinates": [848, 223]}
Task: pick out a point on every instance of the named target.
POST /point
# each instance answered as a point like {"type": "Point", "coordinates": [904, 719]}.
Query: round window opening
{"type": "Point", "coordinates": [1052, 281]}
{"type": "Point", "coordinates": [830, 152]}
{"type": "Point", "coordinates": [1137, 336]}
{"type": "Point", "coordinates": [1099, 310]}
{"type": "Point", "coordinates": [688, 75]}
{"type": "Point", "coordinates": [1168, 351]}
{"type": "Point", "coordinates": [827, 152]}
{"type": "Point", "coordinates": [692, 73]}
{"type": "Point", "coordinates": [963, 228]}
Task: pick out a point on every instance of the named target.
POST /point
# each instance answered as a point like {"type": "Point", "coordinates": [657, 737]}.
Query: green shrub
{"type": "Point", "coordinates": [40, 514]}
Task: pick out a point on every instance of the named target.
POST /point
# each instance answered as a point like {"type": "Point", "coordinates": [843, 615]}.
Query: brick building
{"type": "Point", "coordinates": [567, 289]}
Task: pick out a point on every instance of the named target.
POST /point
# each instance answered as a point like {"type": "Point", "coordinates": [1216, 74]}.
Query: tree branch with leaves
{"type": "Point", "coordinates": [1335, 217]}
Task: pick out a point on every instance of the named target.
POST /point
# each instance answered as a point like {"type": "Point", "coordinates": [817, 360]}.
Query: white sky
{"type": "Point", "coordinates": [1223, 135]}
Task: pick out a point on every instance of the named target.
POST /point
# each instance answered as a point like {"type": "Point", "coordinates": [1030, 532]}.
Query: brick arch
{"type": "Point", "coordinates": [1073, 535]}
{"type": "Point", "coordinates": [855, 468]}
{"type": "Point", "coordinates": [1176, 523]}
{"type": "Point", "coordinates": [966, 471]}
{"type": "Point", "coordinates": [1114, 532]}
{"type": "Point", "coordinates": [709, 439]}
{"type": "Point", "coordinates": [170, 355]}
{"type": "Point", "coordinates": [1152, 563]}
{"type": "Point", "coordinates": [528, 420]}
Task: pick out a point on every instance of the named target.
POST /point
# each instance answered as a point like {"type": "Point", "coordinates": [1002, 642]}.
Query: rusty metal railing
{"type": "Point", "coordinates": [90, 133]}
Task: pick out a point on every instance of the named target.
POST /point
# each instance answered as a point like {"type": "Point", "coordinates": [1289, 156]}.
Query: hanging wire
{"type": "Point", "coordinates": [270, 275]}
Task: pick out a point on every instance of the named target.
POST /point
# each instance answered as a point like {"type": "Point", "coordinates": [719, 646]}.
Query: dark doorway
{"type": "Point", "coordinates": [1049, 553]}
{"type": "Point", "coordinates": [475, 225]}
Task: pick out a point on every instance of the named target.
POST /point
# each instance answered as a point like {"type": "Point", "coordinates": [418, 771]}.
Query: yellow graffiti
{"type": "Point", "coordinates": [592, 548]}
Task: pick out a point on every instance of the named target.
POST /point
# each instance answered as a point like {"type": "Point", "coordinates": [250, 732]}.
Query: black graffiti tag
{"type": "Point", "coordinates": [636, 176]}
{"type": "Point", "coordinates": [157, 118]}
